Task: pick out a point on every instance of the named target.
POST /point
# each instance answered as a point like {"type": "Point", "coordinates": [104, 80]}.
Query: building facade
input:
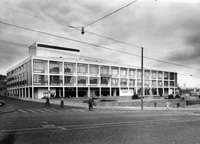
{"type": "Point", "coordinates": [66, 73]}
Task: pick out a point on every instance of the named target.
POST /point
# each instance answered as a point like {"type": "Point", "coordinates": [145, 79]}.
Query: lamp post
{"type": "Point", "coordinates": [142, 78]}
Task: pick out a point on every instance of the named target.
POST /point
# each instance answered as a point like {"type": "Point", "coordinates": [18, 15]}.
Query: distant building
{"type": "Point", "coordinates": [64, 72]}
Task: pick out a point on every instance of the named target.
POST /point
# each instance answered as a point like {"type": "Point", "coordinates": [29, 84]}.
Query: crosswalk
{"type": "Point", "coordinates": [48, 110]}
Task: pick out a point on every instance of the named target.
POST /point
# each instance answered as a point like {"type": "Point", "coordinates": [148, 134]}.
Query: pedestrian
{"type": "Point", "coordinates": [62, 103]}
{"type": "Point", "coordinates": [155, 104]}
{"type": "Point", "coordinates": [90, 104]}
{"type": "Point", "coordinates": [48, 99]}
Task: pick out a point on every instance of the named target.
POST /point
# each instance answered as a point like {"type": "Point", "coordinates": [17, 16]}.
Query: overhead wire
{"type": "Point", "coordinates": [86, 57]}
{"type": "Point", "coordinates": [103, 47]}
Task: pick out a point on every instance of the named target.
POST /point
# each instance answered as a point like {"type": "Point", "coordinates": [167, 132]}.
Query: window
{"type": "Point", "coordinates": [154, 84]}
{"type": "Point", "coordinates": [166, 83]}
{"type": "Point", "coordinates": [40, 79]}
{"type": "Point", "coordinates": [94, 80]}
{"type": "Point", "coordinates": [171, 83]}
{"type": "Point", "coordinates": [114, 71]}
{"type": "Point", "coordinates": [82, 69]}
{"type": "Point", "coordinates": [160, 75]}
{"type": "Point", "coordinates": [139, 82]}
{"type": "Point", "coordinates": [104, 81]}
{"type": "Point", "coordinates": [171, 76]}
{"type": "Point", "coordinates": [70, 80]}
{"type": "Point", "coordinates": [139, 74]}
{"type": "Point", "coordinates": [104, 70]}
{"type": "Point", "coordinates": [94, 69]}
{"type": "Point", "coordinates": [69, 68]}
{"type": "Point", "coordinates": [153, 74]}
{"type": "Point", "coordinates": [123, 82]}
{"type": "Point", "coordinates": [56, 80]}
{"type": "Point", "coordinates": [115, 82]}
{"type": "Point", "coordinates": [123, 72]}
{"type": "Point", "coordinates": [160, 83]}
{"type": "Point", "coordinates": [82, 80]}
{"type": "Point", "coordinates": [132, 72]}
{"type": "Point", "coordinates": [39, 66]}
{"type": "Point", "coordinates": [55, 67]}
{"type": "Point", "coordinates": [166, 75]}
{"type": "Point", "coordinates": [146, 83]}
{"type": "Point", "coordinates": [147, 74]}
{"type": "Point", "coordinates": [132, 82]}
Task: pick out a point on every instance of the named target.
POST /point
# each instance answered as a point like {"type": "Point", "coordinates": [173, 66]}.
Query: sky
{"type": "Point", "coordinates": [168, 30]}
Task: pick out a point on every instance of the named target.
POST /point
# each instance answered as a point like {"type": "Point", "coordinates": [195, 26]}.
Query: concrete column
{"type": "Point", "coordinates": [63, 91]}
{"type": "Point", "coordinates": [29, 93]}
{"type": "Point", "coordinates": [100, 92]}
{"type": "Point", "coordinates": [33, 96]}
{"type": "Point", "coordinates": [89, 92]}
{"type": "Point", "coordinates": [25, 93]}
{"type": "Point", "coordinates": [60, 92]}
{"type": "Point", "coordinates": [76, 92]}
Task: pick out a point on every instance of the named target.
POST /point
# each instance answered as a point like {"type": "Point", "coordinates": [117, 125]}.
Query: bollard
{"type": "Point", "coordinates": [178, 104]}
{"type": "Point", "coordinates": [155, 104]}
{"type": "Point", "coordinates": [167, 105]}
{"type": "Point", "coordinates": [62, 103]}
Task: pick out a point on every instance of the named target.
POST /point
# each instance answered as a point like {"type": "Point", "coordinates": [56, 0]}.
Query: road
{"type": "Point", "coordinates": [80, 126]}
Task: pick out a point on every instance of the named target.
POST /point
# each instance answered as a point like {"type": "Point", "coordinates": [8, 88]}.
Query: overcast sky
{"type": "Point", "coordinates": [167, 29]}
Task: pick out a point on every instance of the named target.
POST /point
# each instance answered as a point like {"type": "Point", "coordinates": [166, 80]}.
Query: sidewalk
{"type": "Point", "coordinates": [67, 102]}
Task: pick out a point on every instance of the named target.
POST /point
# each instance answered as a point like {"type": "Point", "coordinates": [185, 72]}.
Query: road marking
{"type": "Point", "coordinates": [23, 111]}
{"type": "Point", "coordinates": [99, 125]}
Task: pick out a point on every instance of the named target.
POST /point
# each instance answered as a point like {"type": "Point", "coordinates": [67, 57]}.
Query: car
{"type": "Point", "coordinates": [2, 103]}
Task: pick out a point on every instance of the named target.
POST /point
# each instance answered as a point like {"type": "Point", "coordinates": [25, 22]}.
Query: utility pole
{"type": "Point", "coordinates": [142, 78]}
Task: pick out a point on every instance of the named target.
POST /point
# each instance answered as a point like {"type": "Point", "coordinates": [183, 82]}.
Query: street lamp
{"type": "Point", "coordinates": [142, 78]}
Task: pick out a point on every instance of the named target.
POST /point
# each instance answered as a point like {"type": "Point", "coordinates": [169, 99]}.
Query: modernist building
{"type": "Point", "coordinates": [66, 73]}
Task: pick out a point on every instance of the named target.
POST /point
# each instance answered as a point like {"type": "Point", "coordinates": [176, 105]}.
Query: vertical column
{"type": "Point", "coordinates": [48, 75]}
{"type": "Point", "coordinates": [33, 94]}
{"type": "Point", "coordinates": [99, 91]}
{"type": "Point", "coordinates": [76, 92]}
{"type": "Point", "coordinates": [25, 93]}
{"type": "Point", "coordinates": [88, 92]}
{"type": "Point", "coordinates": [29, 92]}
{"type": "Point", "coordinates": [63, 91]}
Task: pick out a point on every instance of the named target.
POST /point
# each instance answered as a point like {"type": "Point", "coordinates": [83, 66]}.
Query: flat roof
{"type": "Point", "coordinates": [58, 47]}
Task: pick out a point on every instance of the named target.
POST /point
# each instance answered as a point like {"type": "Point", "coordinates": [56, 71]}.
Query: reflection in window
{"type": "Point", "coordinates": [82, 80]}
{"type": "Point", "coordinates": [160, 83]}
{"type": "Point", "coordinates": [166, 83]}
{"type": "Point", "coordinates": [153, 75]}
{"type": "Point", "coordinates": [69, 68]}
{"type": "Point", "coordinates": [160, 75]}
{"type": "Point", "coordinates": [132, 82]}
{"type": "Point", "coordinates": [166, 75]}
{"type": "Point", "coordinates": [40, 79]}
{"type": "Point", "coordinates": [171, 76]}
{"type": "Point", "coordinates": [115, 82]}
{"type": "Point", "coordinates": [39, 66]}
{"type": "Point", "coordinates": [147, 83]}
{"type": "Point", "coordinates": [55, 67]}
{"type": "Point", "coordinates": [70, 80]}
{"type": "Point", "coordinates": [104, 81]}
{"type": "Point", "coordinates": [94, 69]}
{"type": "Point", "coordinates": [82, 69]}
{"type": "Point", "coordinates": [123, 82]}
{"type": "Point", "coordinates": [123, 72]}
{"type": "Point", "coordinates": [147, 74]}
{"type": "Point", "coordinates": [154, 84]}
{"type": "Point", "coordinates": [104, 70]}
{"type": "Point", "coordinates": [94, 80]}
{"type": "Point", "coordinates": [139, 74]}
{"type": "Point", "coordinates": [132, 72]}
{"type": "Point", "coordinates": [56, 80]}
{"type": "Point", "coordinates": [114, 71]}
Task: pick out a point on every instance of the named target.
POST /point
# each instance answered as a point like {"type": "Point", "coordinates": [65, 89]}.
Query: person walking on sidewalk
{"type": "Point", "coordinates": [90, 104]}
{"type": "Point", "coordinates": [48, 99]}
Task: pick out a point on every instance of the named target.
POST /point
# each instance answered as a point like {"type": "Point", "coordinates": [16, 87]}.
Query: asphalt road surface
{"type": "Point", "coordinates": [95, 127]}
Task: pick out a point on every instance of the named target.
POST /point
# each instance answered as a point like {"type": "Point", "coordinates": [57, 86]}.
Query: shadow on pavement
{"type": "Point", "coordinates": [8, 139]}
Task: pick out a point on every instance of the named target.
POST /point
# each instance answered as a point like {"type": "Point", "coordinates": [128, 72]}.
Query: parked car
{"type": "Point", "coordinates": [2, 103]}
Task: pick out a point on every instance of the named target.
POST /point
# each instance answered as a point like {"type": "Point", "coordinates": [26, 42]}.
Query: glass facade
{"type": "Point", "coordinates": [55, 67]}
{"type": "Point", "coordinates": [56, 80]}
{"type": "Point", "coordinates": [69, 68]}
{"type": "Point", "coordinates": [72, 74]}
{"type": "Point", "coordinates": [39, 66]}
{"type": "Point", "coordinates": [40, 79]}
